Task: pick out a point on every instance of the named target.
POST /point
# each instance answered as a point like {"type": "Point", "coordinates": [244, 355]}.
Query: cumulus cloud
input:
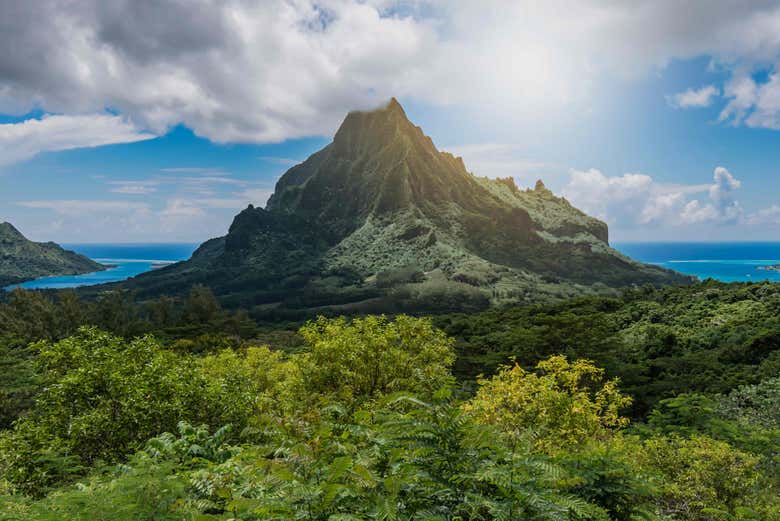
{"type": "Point", "coordinates": [20, 141]}
{"type": "Point", "coordinates": [638, 199]}
{"type": "Point", "coordinates": [233, 71]}
{"type": "Point", "coordinates": [757, 105]}
{"type": "Point", "coordinates": [610, 198]}
{"type": "Point", "coordinates": [722, 192]}
{"type": "Point", "coordinates": [694, 98]}
{"type": "Point", "coordinates": [237, 71]}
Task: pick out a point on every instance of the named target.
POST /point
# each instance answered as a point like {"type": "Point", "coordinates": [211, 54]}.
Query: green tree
{"type": "Point", "coordinates": [201, 306]}
{"type": "Point", "coordinates": [562, 404]}
{"type": "Point", "coordinates": [706, 479]}
{"type": "Point", "coordinates": [102, 398]}
{"type": "Point", "coordinates": [372, 356]}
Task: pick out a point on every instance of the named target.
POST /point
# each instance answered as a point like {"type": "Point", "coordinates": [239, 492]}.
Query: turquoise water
{"type": "Point", "coordinates": [729, 262]}
{"type": "Point", "coordinates": [726, 261]}
{"type": "Point", "coordinates": [128, 260]}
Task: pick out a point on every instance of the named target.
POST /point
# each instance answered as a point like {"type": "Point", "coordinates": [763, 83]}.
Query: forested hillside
{"type": "Point", "coordinates": [661, 404]}
{"type": "Point", "coordinates": [22, 259]}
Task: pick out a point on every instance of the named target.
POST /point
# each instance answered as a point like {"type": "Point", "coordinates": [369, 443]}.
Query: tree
{"type": "Point", "coordinates": [705, 479]}
{"type": "Point", "coordinates": [563, 404]}
{"type": "Point", "coordinates": [102, 398]}
{"type": "Point", "coordinates": [372, 356]}
{"type": "Point", "coordinates": [201, 306]}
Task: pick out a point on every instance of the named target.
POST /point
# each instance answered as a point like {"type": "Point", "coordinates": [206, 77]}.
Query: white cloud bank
{"type": "Point", "coordinates": [20, 141]}
{"type": "Point", "coordinates": [238, 71]}
{"type": "Point", "coordinates": [694, 98]}
{"type": "Point", "coordinates": [633, 200]}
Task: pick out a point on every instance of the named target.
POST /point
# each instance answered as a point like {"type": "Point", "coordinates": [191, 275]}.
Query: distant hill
{"type": "Point", "coordinates": [380, 219]}
{"type": "Point", "coordinates": [22, 259]}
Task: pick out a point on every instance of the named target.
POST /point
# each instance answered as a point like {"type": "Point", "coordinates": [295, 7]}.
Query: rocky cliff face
{"type": "Point", "coordinates": [381, 214]}
{"type": "Point", "coordinates": [21, 259]}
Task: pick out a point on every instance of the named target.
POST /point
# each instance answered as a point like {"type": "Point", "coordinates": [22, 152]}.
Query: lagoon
{"type": "Point", "coordinates": [724, 261]}
{"type": "Point", "coordinates": [127, 260]}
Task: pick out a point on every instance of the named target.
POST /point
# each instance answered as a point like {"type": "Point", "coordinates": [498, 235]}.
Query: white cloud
{"type": "Point", "coordinates": [192, 170]}
{"type": "Point", "coordinates": [178, 218]}
{"type": "Point", "coordinates": [257, 196]}
{"type": "Point", "coordinates": [283, 161]}
{"type": "Point", "coordinates": [183, 214]}
{"type": "Point", "coordinates": [236, 201]}
{"type": "Point", "coordinates": [769, 215]}
{"type": "Point", "coordinates": [659, 206]}
{"type": "Point", "coordinates": [133, 187]}
{"type": "Point", "coordinates": [766, 105]}
{"type": "Point", "coordinates": [634, 200]}
{"type": "Point", "coordinates": [237, 71]}
{"type": "Point", "coordinates": [20, 141]}
{"type": "Point", "coordinates": [742, 93]}
{"type": "Point", "coordinates": [614, 199]}
{"type": "Point", "coordinates": [694, 98]}
{"type": "Point", "coordinates": [81, 207]}
{"type": "Point", "coordinates": [502, 160]}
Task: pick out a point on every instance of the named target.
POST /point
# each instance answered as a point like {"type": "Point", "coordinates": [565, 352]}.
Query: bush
{"type": "Point", "coordinates": [563, 404]}
{"type": "Point", "coordinates": [102, 398]}
{"type": "Point", "coordinates": [373, 356]}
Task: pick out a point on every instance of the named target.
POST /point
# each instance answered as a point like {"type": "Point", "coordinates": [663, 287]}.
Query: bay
{"type": "Point", "coordinates": [126, 261]}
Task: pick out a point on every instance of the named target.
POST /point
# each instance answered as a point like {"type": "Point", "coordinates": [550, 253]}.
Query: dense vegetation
{"type": "Point", "coordinates": [709, 337]}
{"type": "Point", "coordinates": [660, 404]}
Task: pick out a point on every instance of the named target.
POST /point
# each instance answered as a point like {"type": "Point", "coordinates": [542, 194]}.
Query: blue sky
{"type": "Point", "coordinates": [117, 125]}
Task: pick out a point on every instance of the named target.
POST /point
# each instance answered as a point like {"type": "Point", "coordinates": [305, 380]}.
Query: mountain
{"type": "Point", "coordinates": [21, 259]}
{"type": "Point", "coordinates": [381, 219]}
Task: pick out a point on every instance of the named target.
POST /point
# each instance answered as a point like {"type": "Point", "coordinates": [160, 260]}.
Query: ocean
{"type": "Point", "coordinates": [726, 261]}
{"type": "Point", "coordinates": [128, 260]}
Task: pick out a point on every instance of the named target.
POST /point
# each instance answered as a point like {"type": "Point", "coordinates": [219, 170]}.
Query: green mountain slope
{"type": "Point", "coordinates": [21, 259]}
{"type": "Point", "coordinates": [381, 219]}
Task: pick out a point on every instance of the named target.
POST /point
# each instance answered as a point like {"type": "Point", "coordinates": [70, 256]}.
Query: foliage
{"type": "Point", "coordinates": [706, 338]}
{"type": "Point", "coordinates": [373, 356]}
{"type": "Point", "coordinates": [417, 460]}
{"type": "Point", "coordinates": [361, 419]}
{"type": "Point", "coordinates": [754, 404]}
{"type": "Point", "coordinates": [102, 398]}
{"type": "Point", "coordinates": [605, 472]}
{"type": "Point", "coordinates": [193, 325]}
{"type": "Point", "coordinates": [706, 479]}
{"type": "Point", "coordinates": [564, 404]}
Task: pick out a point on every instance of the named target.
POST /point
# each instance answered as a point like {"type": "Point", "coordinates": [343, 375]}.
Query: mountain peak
{"type": "Point", "coordinates": [8, 231]}
{"type": "Point", "coordinates": [393, 106]}
{"type": "Point", "coordinates": [369, 133]}
{"type": "Point", "coordinates": [390, 113]}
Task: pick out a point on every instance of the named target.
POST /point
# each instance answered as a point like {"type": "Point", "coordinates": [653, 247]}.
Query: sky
{"type": "Point", "coordinates": [157, 121]}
